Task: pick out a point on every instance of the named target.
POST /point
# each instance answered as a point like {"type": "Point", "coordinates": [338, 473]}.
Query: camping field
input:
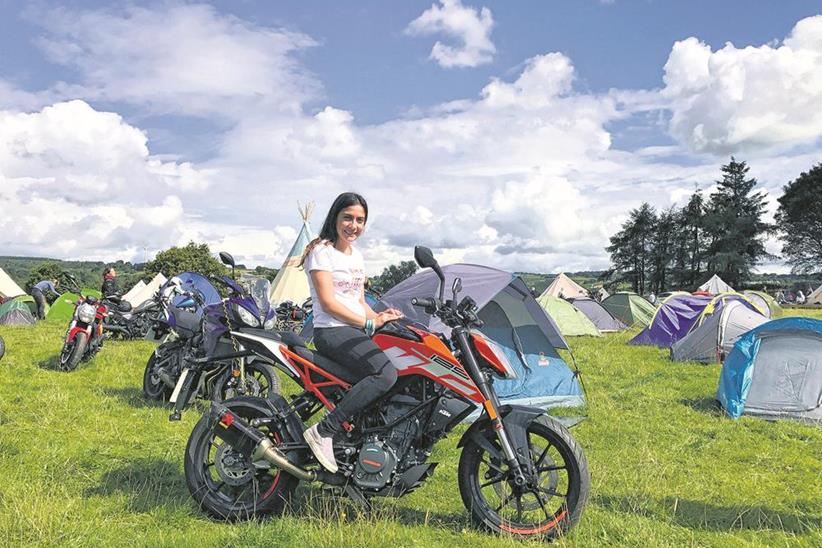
{"type": "Point", "coordinates": [85, 461]}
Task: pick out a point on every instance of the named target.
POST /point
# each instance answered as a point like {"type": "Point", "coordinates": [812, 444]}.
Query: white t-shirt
{"type": "Point", "coordinates": [348, 275]}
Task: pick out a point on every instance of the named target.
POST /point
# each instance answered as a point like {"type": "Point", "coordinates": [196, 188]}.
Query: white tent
{"type": "Point", "coordinates": [815, 297]}
{"type": "Point", "coordinates": [566, 288]}
{"type": "Point", "coordinates": [715, 286]}
{"type": "Point", "coordinates": [8, 287]}
{"type": "Point", "coordinates": [714, 338]}
{"type": "Point", "coordinates": [291, 283]}
{"type": "Point", "coordinates": [134, 291]}
{"type": "Point", "coordinates": [148, 291]}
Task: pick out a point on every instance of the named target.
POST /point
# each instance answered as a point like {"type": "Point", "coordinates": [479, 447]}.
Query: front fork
{"type": "Point", "coordinates": [491, 405]}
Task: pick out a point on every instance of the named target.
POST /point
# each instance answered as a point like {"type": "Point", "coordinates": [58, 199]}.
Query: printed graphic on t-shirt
{"type": "Point", "coordinates": [351, 287]}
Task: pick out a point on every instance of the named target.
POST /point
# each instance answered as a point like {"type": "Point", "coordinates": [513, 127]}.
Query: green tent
{"type": "Point", "coordinates": [630, 308]}
{"type": "Point", "coordinates": [63, 307]}
{"type": "Point", "coordinates": [570, 320]}
{"type": "Point", "coordinates": [765, 303]}
{"type": "Point", "coordinates": [14, 312]}
{"type": "Point", "coordinates": [29, 301]}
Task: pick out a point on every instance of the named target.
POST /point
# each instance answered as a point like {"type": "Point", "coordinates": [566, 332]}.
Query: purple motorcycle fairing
{"type": "Point", "coordinates": [218, 314]}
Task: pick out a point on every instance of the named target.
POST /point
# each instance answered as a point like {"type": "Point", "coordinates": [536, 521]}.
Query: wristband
{"type": "Point", "coordinates": [369, 327]}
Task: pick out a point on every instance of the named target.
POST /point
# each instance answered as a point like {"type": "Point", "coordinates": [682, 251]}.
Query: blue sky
{"type": "Point", "coordinates": [513, 134]}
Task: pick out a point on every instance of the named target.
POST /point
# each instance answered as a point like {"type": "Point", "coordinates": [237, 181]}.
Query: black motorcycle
{"type": "Point", "coordinates": [196, 358]}
{"type": "Point", "coordinates": [129, 323]}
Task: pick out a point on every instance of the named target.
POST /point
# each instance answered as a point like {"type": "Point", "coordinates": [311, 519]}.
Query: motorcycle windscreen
{"type": "Point", "coordinates": [259, 288]}
{"type": "Point", "coordinates": [199, 284]}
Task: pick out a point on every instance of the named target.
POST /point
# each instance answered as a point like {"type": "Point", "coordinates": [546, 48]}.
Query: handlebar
{"type": "Point", "coordinates": [424, 302]}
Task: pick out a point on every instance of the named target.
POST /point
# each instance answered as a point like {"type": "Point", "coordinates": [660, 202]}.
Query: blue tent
{"type": "Point", "coordinates": [513, 319]}
{"type": "Point", "coordinates": [775, 371]}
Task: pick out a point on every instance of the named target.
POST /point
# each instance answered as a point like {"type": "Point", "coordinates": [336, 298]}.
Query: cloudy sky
{"type": "Point", "coordinates": [513, 134]}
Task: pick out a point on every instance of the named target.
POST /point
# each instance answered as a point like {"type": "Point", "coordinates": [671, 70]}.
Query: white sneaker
{"type": "Point", "coordinates": [323, 448]}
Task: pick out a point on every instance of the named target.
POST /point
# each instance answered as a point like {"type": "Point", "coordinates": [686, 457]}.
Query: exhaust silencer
{"type": "Point", "coordinates": [252, 443]}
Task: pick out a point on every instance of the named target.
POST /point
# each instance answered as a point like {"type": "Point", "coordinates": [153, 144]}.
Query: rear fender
{"type": "Point", "coordinates": [515, 418]}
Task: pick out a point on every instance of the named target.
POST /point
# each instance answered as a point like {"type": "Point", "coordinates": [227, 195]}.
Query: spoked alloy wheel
{"type": "Point", "coordinates": [260, 380]}
{"type": "Point", "coordinates": [226, 484]}
{"type": "Point", "coordinates": [552, 501]}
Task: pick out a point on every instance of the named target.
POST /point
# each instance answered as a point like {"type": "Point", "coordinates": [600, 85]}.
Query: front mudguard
{"type": "Point", "coordinates": [515, 418]}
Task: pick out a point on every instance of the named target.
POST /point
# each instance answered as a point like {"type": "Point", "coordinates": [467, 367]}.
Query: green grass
{"type": "Point", "coordinates": [85, 461]}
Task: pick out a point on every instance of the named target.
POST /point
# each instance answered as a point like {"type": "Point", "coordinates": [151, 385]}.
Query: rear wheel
{"type": "Point", "coordinates": [549, 505]}
{"type": "Point", "coordinates": [225, 483]}
{"type": "Point", "coordinates": [260, 380]}
{"type": "Point", "coordinates": [73, 351]}
{"type": "Point", "coordinates": [153, 386]}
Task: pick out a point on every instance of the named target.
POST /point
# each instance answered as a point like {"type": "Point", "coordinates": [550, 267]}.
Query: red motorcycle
{"type": "Point", "coordinates": [84, 336]}
{"type": "Point", "coordinates": [520, 471]}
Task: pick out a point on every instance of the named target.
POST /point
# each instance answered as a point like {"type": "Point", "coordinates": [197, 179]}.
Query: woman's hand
{"type": "Point", "coordinates": [387, 316]}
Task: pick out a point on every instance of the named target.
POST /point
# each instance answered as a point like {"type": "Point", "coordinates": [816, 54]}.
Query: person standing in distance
{"type": "Point", "coordinates": [343, 321]}
{"type": "Point", "coordinates": [38, 293]}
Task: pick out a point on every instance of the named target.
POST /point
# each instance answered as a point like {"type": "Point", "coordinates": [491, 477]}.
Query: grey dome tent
{"type": "Point", "coordinates": [775, 371]}
{"type": "Point", "coordinates": [513, 319]}
{"type": "Point", "coordinates": [600, 317]}
{"type": "Point", "coordinates": [714, 338]}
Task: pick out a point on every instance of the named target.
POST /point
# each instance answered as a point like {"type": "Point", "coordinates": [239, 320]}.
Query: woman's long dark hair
{"type": "Point", "coordinates": [328, 232]}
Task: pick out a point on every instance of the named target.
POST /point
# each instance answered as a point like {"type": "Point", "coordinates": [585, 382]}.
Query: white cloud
{"type": "Point", "coordinates": [742, 100]}
{"type": "Point", "coordinates": [468, 26]}
{"type": "Point", "coordinates": [180, 58]}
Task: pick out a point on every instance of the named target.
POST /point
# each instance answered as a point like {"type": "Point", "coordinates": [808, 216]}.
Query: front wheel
{"type": "Point", "coordinates": [153, 386]}
{"type": "Point", "coordinates": [554, 498]}
{"type": "Point", "coordinates": [225, 483]}
{"type": "Point", "coordinates": [260, 380]}
{"type": "Point", "coordinates": [73, 351]}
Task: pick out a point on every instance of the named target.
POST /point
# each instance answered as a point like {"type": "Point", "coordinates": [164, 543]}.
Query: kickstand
{"type": "Point", "coordinates": [358, 498]}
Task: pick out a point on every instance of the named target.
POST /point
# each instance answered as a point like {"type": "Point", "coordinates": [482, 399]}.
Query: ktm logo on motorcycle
{"type": "Point", "coordinates": [448, 373]}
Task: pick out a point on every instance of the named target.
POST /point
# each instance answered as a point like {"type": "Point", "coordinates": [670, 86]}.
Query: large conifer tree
{"type": "Point", "coordinates": [799, 220]}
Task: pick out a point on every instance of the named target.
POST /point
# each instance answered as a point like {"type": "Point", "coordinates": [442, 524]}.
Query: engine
{"type": "Point", "coordinates": [375, 465]}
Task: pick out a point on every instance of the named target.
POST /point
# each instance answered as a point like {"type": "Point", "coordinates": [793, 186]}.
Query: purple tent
{"type": "Point", "coordinates": [672, 320]}
{"type": "Point", "coordinates": [677, 315]}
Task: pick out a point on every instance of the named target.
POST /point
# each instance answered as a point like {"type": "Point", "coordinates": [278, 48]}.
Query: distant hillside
{"type": "Point", "coordinates": [88, 273]}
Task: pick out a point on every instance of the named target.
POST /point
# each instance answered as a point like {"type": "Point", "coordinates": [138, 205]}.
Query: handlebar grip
{"type": "Point", "coordinates": [423, 302]}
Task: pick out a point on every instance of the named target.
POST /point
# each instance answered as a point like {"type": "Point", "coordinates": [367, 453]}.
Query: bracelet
{"type": "Point", "coordinates": [369, 327]}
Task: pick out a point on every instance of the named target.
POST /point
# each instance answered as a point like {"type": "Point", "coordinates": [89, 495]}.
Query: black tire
{"type": "Point", "coordinates": [261, 379]}
{"type": "Point", "coordinates": [550, 509]}
{"type": "Point", "coordinates": [153, 387]}
{"type": "Point", "coordinates": [73, 352]}
{"type": "Point", "coordinates": [210, 474]}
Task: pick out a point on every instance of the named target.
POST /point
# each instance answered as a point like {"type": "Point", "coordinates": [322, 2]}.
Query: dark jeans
{"type": "Point", "coordinates": [40, 300]}
{"type": "Point", "coordinates": [356, 351]}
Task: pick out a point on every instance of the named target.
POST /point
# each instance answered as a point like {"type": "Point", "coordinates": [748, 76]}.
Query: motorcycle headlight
{"type": "Point", "coordinates": [270, 323]}
{"type": "Point", "coordinates": [86, 313]}
{"type": "Point", "coordinates": [247, 317]}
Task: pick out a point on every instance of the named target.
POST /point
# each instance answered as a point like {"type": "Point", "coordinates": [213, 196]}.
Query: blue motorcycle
{"type": "Point", "coordinates": [197, 357]}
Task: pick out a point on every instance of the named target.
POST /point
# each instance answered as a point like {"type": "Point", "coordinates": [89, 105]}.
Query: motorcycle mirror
{"type": "Point", "coordinates": [456, 287]}
{"type": "Point", "coordinates": [425, 258]}
{"type": "Point", "coordinates": [227, 259]}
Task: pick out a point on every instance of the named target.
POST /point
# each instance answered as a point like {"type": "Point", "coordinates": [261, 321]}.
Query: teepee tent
{"type": "Point", "coordinates": [715, 286]}
{"type": "Point", "coordinates": [572, 322]}
{"type": "Point", "coordinates": [291, 283]}
{"type": "Point", "coordinates": [8, 287]}
{"type": "Point", "coordinates": [714, 338]}
{"type": "Point", "coordinates": [134, 291]}
{"type": "Point", "coordinates": [564, 287]}
{"type": "Point", "coordinates": [815, 297]}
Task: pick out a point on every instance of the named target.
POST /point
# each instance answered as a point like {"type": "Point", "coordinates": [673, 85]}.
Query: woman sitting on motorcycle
{"type": "Point", "coordinates": [109, 288]}
{"type": "Point", "coordinates": [343, 321]}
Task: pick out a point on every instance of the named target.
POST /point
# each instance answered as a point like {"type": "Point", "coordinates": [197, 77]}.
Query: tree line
{"type": "Point", "coordinates": [722, 233]}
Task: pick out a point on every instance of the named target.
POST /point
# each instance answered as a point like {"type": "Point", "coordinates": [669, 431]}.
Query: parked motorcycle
{"type": "Point", "coordinates": [131, 323]}
{"type": "Point", "coordinates": [197, 357]}
{"type": "Point", "coordinates": [290, 316]}
{"type": "Point", "coordinates": [84, 336]}
{"type": "Point", "coordinates": [520, 471]}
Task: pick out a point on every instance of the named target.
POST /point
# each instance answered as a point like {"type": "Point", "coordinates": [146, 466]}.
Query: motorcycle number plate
{"type": "Point", "coordinates": [179, 386]}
